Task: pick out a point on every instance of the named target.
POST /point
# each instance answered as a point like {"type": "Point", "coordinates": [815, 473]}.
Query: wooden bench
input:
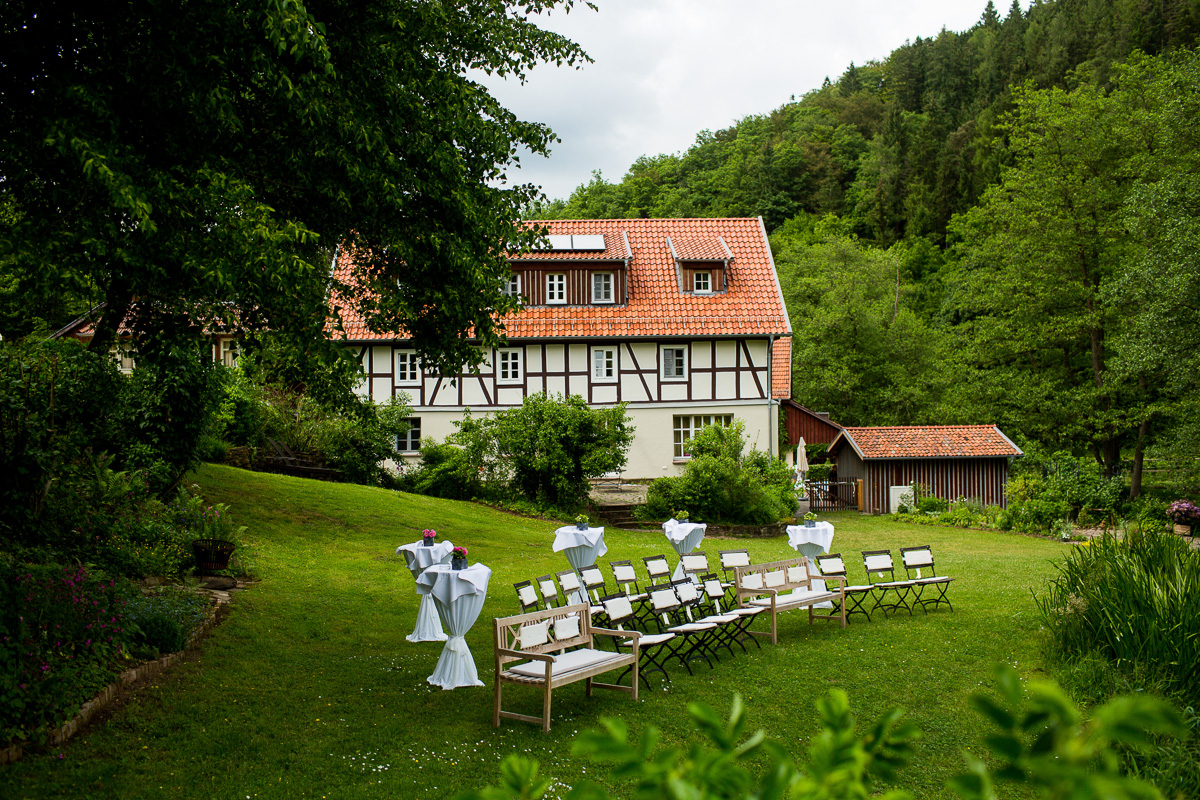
{"type": "Point", "coordinates": [539, 640]}
{"type": "Point", "coordinates": [784, 585]}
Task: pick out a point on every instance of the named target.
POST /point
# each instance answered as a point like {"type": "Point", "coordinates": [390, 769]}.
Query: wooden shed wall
{"type": "Point", "coordinates": [950, 478]}
{"type": "Point", "coordinates": [814, 429]}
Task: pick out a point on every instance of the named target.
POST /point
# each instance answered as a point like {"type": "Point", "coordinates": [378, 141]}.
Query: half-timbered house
{"type": "Point", "coordinates": [681, 319]}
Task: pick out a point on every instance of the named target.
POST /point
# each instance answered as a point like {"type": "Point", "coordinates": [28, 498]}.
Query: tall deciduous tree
{"type": "Point", "coordinates": [859, 349]}
{"type": "Point", "coordinates": [205, 158]}
{"type": "Point", "coordinates": [1067, 274]}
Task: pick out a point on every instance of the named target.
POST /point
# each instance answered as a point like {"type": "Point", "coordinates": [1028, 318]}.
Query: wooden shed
{"type": "Point", "coordinates": [950, 461]}
{"type": "Point", "coordinates": [814, 426]}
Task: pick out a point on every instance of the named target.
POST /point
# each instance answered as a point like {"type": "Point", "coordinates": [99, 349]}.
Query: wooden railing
{"type": "Point", "coordinates": [832, 495]}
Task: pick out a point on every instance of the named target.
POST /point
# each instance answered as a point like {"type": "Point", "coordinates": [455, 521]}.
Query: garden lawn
{"type": "Point", "coordinates": [309, 688]}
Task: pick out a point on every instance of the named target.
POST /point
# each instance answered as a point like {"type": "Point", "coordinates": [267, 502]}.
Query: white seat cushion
{"type": "Point", "coordinates": [567, 662]}
{"type": "Point", "coordinates": [692, 627]}
{"type": "Point", "coordinates": [654, 639]}
{"type": "Point", "coordinates": [933, 580]}
{"type": "Point", "coordinates": [720, 619]}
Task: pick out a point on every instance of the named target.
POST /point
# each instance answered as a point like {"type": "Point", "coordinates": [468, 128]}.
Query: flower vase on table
{"type": "Point", "coordinates": [427, 537]}
{"type": "Point", "coordinates": [458, 558]}
{"type": "Point", "coordinates": [581, 522]}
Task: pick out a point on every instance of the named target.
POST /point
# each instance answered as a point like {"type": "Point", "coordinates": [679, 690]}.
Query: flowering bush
{"type": "Point", "coordinates": [63, 634]}
{"type": "Point", "coordinates": [1184, 512]}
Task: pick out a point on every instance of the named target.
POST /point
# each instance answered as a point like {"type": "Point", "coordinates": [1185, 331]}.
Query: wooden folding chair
{"type": "Point", "coordinates": [619, 611]}
{"type": "Point", "coordinates": [695, 564]}
{"type": "Point", "coordinates": [832, 565]}
{"type": "Point", "coordinates": [626, 580]}
{"type": "Point", "coordinates": [714, 591]}
{"type": "Point", "coordinates": [548, 589]}
{"type": "Point", "coordinates": [572, 588]}
{"type": "Point", "coordinates": [918, 559]}
{"type": "Point", "coordinates": [527, 596]}
{"type": "Point", "coordinates": [593, 581]}
{"type": "Point", "coordinates": [881, 575]}
{"type": "Point", "coordinates": [657, 568]}
{"type": "Point", "coordinates": [691, 597]}
{"type": "Point", "coordinates": [691, 642]}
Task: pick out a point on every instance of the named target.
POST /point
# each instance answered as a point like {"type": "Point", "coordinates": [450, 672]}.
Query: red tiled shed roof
{"type": "Point", "coordinates": [928, 441]}
{"type": "Point", "coordinates": [700, 249]}
{"type": "Point", "coordinates": [752, 304]}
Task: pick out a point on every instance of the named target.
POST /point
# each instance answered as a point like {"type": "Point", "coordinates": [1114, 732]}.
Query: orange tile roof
{"type": "Point", "coordinates": [700, 249]}
{"type": "Point", "coordinates": [781, 368]}
{"type": "Point", "coordinates": [752, 305]}
{"type": "Point", "coordinates": [928, 441]}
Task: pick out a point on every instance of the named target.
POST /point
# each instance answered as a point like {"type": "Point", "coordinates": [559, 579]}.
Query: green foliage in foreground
{"type": "Point", "coordinates": [1041, 742]}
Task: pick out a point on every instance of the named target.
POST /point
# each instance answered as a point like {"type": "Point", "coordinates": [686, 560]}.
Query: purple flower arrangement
{"type": "Point", "coordinates": [1184, 512]}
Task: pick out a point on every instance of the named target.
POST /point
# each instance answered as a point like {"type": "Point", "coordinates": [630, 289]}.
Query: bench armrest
{"type": "Point", "coordinates": [501, 651]}
{"type": "Point", "coordinates": [619, 634]}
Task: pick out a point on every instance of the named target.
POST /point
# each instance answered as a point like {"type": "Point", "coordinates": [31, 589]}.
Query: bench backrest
{"type": "Point", "coordinates": [624, 576]}
{"type": "Point", "coordinates": [543, 631]}
{"type": "Point", "coordinates": [782, 576]}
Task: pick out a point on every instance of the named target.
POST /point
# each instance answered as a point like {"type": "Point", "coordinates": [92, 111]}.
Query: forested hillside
{"type": "Point", "coordinates": [995, 225]}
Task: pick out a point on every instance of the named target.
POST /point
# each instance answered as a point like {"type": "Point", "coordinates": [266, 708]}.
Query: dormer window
{"type": "Point", "coordinates": [602, 287]}
{"type": "Point", "coordinates": [556, 288]}
{"type": "Point", "coordinates": [702, 283]}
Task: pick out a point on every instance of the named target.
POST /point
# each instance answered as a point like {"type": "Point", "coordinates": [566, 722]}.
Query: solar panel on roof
{"type": "Point", "coordinates": [591, 241]}
{"type": "Point", "coordinates": [559, 242]}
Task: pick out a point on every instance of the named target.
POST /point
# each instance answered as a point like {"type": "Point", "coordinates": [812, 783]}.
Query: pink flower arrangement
{"type": "Point", "coordinates": [428, 533]}
{"type": "Point", "coordinates": [1184, 512]}
{"type": "Point", "coordinates": [459, 552]}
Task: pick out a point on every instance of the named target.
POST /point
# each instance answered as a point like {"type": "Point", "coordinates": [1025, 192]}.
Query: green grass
{"type": "Point", "coordinates": [309, 688]}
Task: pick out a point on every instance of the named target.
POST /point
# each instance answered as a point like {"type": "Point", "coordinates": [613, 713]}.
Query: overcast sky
{"type": "Point", "coordinates": [665, 70]}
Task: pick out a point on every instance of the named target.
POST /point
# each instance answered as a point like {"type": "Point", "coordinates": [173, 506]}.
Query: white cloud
{"type": "Point", "coordinates": [667, 69]}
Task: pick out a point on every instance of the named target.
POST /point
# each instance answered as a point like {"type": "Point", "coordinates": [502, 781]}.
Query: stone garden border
{"type": "Point", "coordinates": [127, 681]}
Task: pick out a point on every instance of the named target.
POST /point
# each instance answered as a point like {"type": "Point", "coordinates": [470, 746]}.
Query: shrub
{"type": "Point", "coordinates": [544, 452]}
{"type": "Point", "coordinates": [163, 620]}
{"type": "Point", "coordinates": [933, 505]}
{"type": "Point", "coordinates": [720, 485]}
{"type": "Point", "coordinates": [63, 633]}
{"type": "Point", "coordinates": [1134, 601]}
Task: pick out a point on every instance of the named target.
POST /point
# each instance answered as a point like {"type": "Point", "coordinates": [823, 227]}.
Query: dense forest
{"type": "Point", "coordinates": [998, 225]}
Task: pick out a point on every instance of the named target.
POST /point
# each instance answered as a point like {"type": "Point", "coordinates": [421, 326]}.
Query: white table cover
{"type": "Point", "coordinates": [458, 596]}
{"type": "Point", "coordinates": [581, 547]}
{"type": "Point", "coordinates": [811, 542]}
{"type": "Point", "coordinates": [419, 558]}
{"type": "Point", "coordinates": [684, 537]}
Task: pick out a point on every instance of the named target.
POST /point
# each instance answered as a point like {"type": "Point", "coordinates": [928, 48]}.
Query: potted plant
{"type": "Point", "coordinates": [681, 515]}
{"type": "Point", "coordinates": [458, 558]}
{"type": "Point", "coordinates": [215, 545]}
{"type": "Point", "coordinates": [1186, 516]}
{"type": "Point", "coordinates": [810, 520]}
{"type": "Point", "coordinates": [581, 522]}
{"type": "Point", "coordinates": [427, 537]}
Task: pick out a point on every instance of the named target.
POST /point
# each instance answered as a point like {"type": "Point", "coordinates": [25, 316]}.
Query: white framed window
{"type": "Point", "coordinates": [604, 363]}
{"type": "Point", "coordinates": [512, 286]}
{"type": "Point", "coordinates": [674, 363]}
{"type": "Point", "coordinates": [408, 368]}
{"type": "Point", "coordinates": [124, 357]}
{"type": "Point", "coordinates": [688, 425]}
{"type": "Point", "coordinates": [702, 283]}
{"type": "Point", "coordinates": [508, 366]}
{"type": "Point", "coordinates": [229, 352]}
{"type": "Point", "coordinates": [556, 287]}
{"type": "Point", "coordinates": [602, 287]}
{"type": "Point", "coordinates": [410, 440]}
